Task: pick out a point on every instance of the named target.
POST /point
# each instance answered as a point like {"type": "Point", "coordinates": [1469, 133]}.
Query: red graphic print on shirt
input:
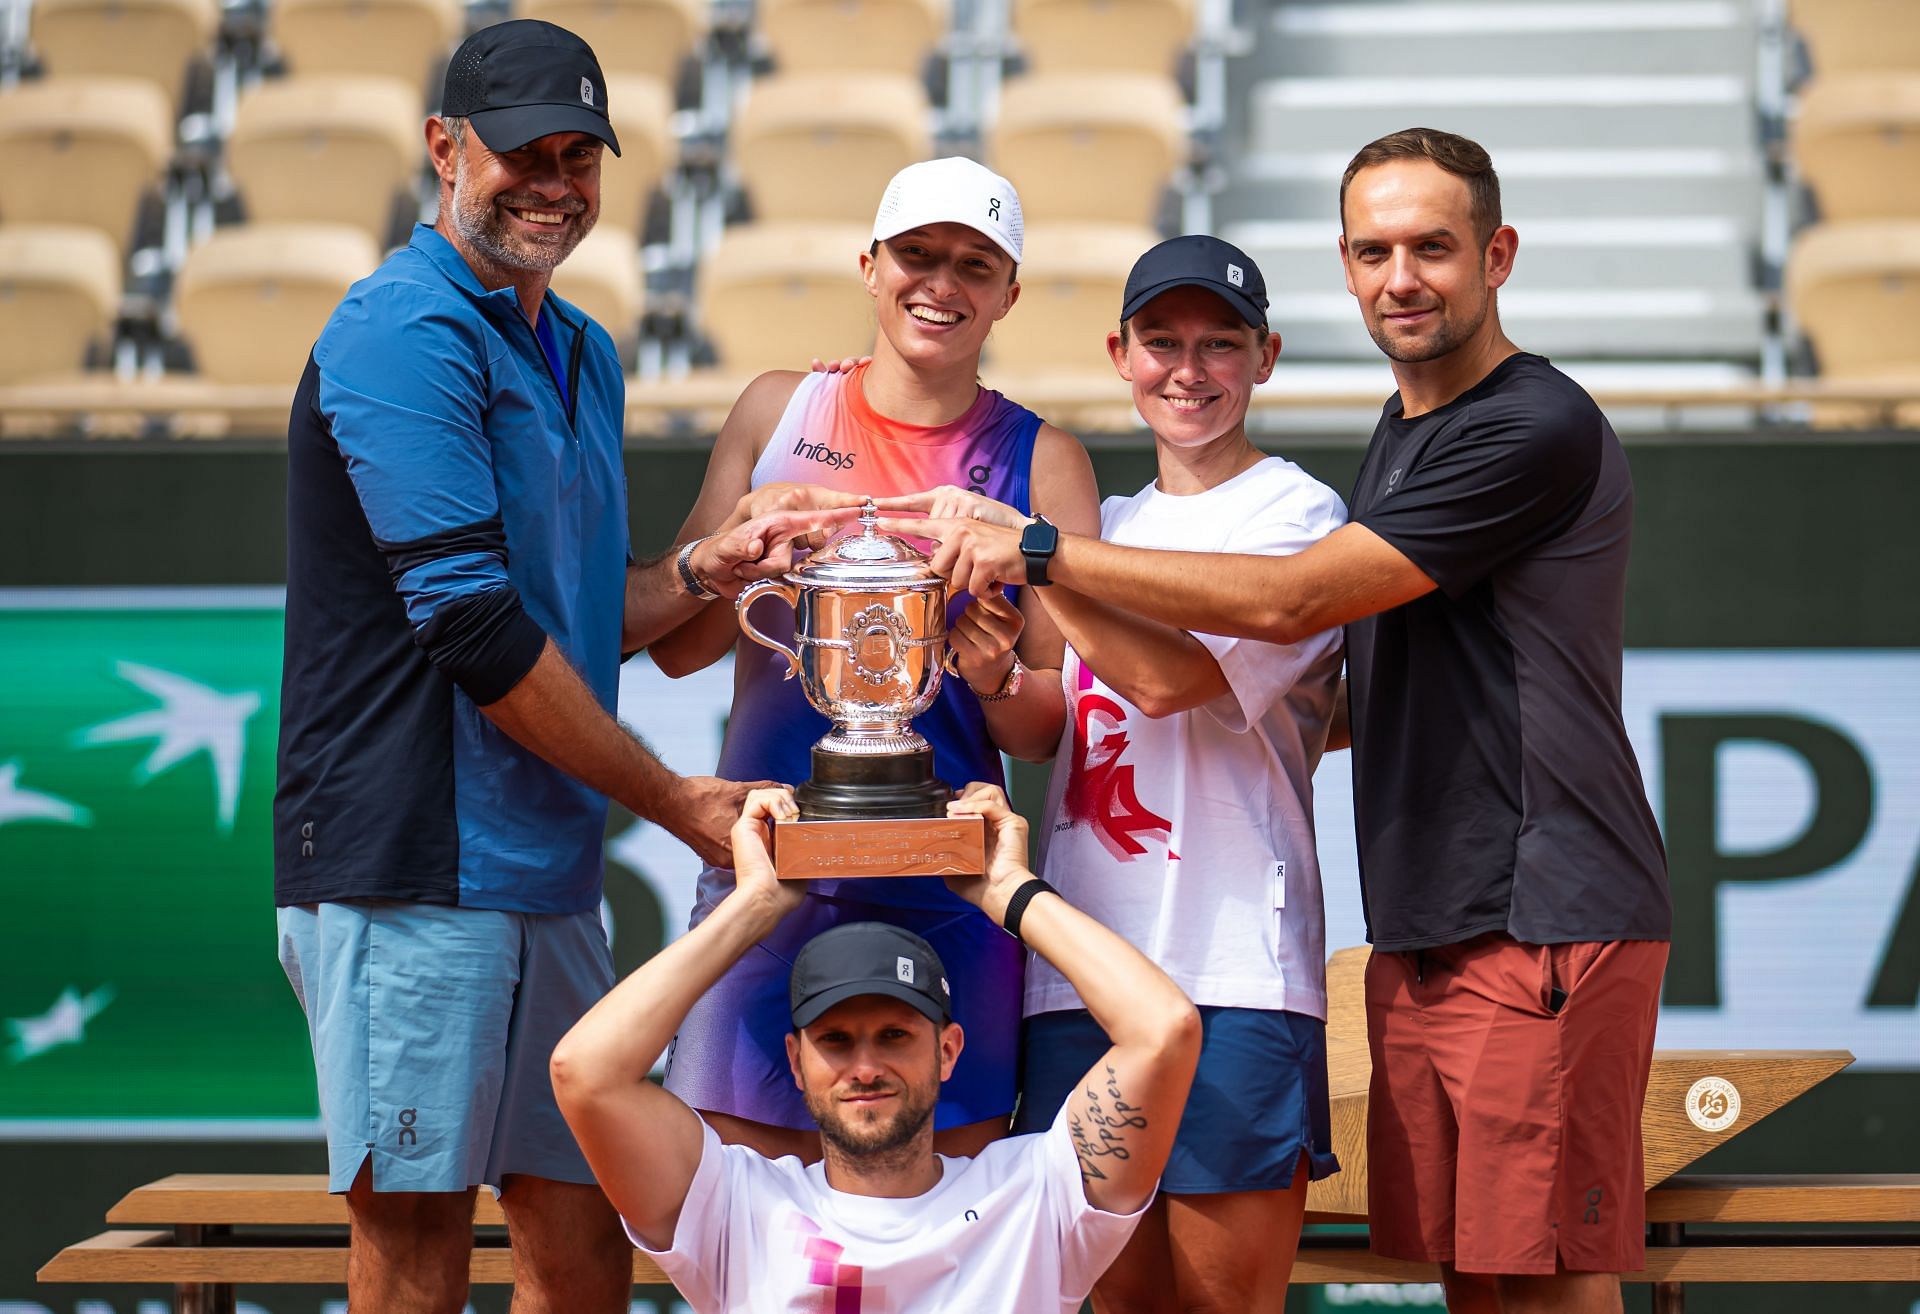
{"type": "Point", "coordinates": [1100, 790]}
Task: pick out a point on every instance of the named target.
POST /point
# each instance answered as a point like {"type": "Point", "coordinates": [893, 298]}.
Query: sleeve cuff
{"type": "Point", "coordinates": [486, 643]}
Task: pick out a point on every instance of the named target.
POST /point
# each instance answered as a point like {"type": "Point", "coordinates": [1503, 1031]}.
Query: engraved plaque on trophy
{"type": "Point", "coordinates": [870, 648]}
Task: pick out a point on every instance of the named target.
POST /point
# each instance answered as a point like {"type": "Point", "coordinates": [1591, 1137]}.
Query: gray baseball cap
{"type": "Point", "coordinates": [868, 958]}
{"type": "Point", "coordinates": [1197, 260]}
{"type": "Point", "coordinates": [522, 79]}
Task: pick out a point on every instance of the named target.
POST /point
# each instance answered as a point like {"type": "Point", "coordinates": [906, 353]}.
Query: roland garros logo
{"type": "Point", "coordinates": [1713, 1104]}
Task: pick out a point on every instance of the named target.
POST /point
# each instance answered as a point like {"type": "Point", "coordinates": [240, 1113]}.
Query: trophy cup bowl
{"type": "Point", "coordinates": [870, 649]}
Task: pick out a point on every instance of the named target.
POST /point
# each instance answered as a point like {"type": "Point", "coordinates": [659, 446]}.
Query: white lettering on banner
{"type": "Point", "coordinates": [1793, 783]}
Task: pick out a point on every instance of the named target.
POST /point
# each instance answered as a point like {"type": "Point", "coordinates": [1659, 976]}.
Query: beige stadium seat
{"type": "Point", "coordinates": [1843, 35]}
{"type": "Point", "coordinates": [1089, 146]}
{"type": "Point", "coordinates": [1855, 291]}
{"type": "Point", "coordinates": [326, 150]}
{"type": "Point", "coordinates": [642, 112]}
{"type": "Point", "coordinates": [774, 296]}
{"type": "Point", "coordinates": [402, 39]}
{"type": "Point", "coordinates": [59, 289]}
{"type": "Point", "coordinates": [1115, 36]}
{"type": "Point", "coordinates": [823, 146]}
{"type": "Point", "coordinates": [1070, 290]}
{"type": "Point", "coordinates": [152, 40]}
{"type": "Point", "coordinates": [81, 151]}
{"type": "Point", "coordinates": [1856, 141]}
{"type": "Point", "coordinates": [602, 276]}
{"type": "Point", "coordinates": [648, 37]}
{"type": "Point", "coordinates": [251, 299]}
{"type": "Point", "coordinates": [846, 36]}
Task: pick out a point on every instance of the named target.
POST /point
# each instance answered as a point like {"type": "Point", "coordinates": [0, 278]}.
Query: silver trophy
{"type": "Point", "coordinates": [870, 648]}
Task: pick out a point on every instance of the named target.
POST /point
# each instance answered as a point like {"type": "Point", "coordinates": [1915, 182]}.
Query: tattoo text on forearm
{"type": "Point", "coordinates": [1103, 1134]}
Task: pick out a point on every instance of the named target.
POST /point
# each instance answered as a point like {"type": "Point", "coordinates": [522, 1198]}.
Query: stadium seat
{"type": "Point", "coordinates": [401, 39]}
{"type": "Point", "coordinates": [642, 112]}
{"type": "Point", "coordinates": [603, 278]}
{"type": "Point", "coordinates": [1113, 36]}
{"type": "Point", "coordinates": [1855, 292]}
{"type": "Point", "coordinates": [1844, 35]}
{"type": "Point", "coordinates": [252, 298]}
{"type": "Point", "coordinates": [1070, 290]}
{"type": "Point", "coordinates": [326, 150]}
{"type": "Point", "coordinates": [817, 146]}
{"type": "Point", "coordinates": [59, 289]}
{"type": "Point", "coordinates": [152, 40]}
{"type": "Point", "coordinates": [81, 151]}
{"type": "Point", "coordinates": [774, 296]}
{"type": "Point", "coordinates": [848, 36]}
{"type": "Point", "coordinates": [648, 37]}
{"type": "Point", "coordinates": [1089, 146]}
{"type": "Point", "coordinates": [1856, 141]}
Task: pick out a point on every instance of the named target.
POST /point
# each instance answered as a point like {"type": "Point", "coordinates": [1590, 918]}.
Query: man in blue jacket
{"type": "Point", "coordinates": [459, 597]}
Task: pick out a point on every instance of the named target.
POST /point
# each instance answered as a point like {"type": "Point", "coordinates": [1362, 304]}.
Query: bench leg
{"type": "Point", "coordinates": [200, 1297]}
{"type": "Point", "coordinates": [1669, 1297]}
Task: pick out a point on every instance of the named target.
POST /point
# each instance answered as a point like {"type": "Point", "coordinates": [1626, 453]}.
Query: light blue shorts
{"type": "Point", "coordinates": [432, 1027]}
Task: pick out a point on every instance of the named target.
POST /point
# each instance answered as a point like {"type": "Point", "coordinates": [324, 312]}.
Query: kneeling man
{"type": "Point", "coordinates": [881, 1221]}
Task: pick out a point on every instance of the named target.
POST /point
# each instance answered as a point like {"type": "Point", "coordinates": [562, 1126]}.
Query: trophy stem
{"type": "Point", "coordinates": [851, 787]}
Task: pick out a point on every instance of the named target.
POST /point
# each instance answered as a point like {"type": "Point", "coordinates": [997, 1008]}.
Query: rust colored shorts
{"type": "Point", "coordinates": [1503, 1128]}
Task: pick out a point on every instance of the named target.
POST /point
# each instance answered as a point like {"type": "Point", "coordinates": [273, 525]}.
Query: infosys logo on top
{"type": "Point", "coordinates": [824, 454]}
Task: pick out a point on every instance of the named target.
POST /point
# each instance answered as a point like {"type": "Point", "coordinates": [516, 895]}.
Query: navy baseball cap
{"type": "Point", "coordinates": [1197, 260]}
{"type": "Point", "coordinates": [523, 79]}
{"type": "Point", "coordinates": [868, 958]}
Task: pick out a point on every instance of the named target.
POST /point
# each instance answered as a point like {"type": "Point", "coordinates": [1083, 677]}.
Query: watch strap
{"type": "Point", "coordinates": [689, 580]}
{"type": "Point", "coordinates": [1008, 686]}
{"type": "Point", "coordinates": [1037, 543]}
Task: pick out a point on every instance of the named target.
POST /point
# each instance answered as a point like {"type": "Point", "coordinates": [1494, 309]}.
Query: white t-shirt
{"type": "Point", "coordinates": [1192, 834]}
{"type": "Point", "coordinates": [1008, 1231]}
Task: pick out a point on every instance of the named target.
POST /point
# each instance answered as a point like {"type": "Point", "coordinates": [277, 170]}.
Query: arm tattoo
{"type": "Point", "coordinates": [1103, 1132]}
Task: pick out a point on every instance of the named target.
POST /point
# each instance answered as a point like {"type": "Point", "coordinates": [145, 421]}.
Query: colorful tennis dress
{"type": "Point", "coordinates": [730, 1054]}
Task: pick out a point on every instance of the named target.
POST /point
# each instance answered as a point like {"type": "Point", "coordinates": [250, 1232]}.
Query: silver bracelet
{"type": "Point", "coordinates": [690, 581]}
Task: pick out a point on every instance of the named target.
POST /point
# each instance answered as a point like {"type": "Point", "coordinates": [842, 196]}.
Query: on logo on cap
{"type": "Point", "coordinates": [586, 91]}
{"type": "Point", "coordinates": [1236, 275]}
{"type": "Point", "coordinates": [903, 968]}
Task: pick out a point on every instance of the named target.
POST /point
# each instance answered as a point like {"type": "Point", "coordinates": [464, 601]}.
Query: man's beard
{"type": "Point", "coordinates": [486, 227]}
{"type": "Point", "coordinates": [873, 1142]}
{"type": "Point", "coordinates": [1445, 339]}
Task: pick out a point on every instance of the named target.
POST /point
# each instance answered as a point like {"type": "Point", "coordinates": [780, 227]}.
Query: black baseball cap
{"type": "Point", "coordinates": [523, 79]}
{"type": "Point", "coordinates": [868, 958]}
{"type": "Point", "coordinates": [1197, 260]}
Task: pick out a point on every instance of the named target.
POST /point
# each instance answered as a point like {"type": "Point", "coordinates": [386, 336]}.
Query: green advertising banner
{"type": "Point", "coordinates": [137, 737]}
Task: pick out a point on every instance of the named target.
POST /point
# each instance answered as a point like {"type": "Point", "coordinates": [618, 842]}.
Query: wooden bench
{"type": "Point", "coordinates": [205, 1234]}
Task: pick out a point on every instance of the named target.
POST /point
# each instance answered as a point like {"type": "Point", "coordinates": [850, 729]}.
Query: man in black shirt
{"type": "Point", "coordinates": [1511, 870]}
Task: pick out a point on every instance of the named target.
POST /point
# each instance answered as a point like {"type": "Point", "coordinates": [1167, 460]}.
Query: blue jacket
{"type": "Point", "coordinates": [447, 512]}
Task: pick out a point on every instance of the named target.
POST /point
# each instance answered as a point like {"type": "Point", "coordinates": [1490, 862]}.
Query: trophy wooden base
{"type": "Point", "coordinates": [874, 846]}
{"type": "Point", "coordinates": [881, 814]}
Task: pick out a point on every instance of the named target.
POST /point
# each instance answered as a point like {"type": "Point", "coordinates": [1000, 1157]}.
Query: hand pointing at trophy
{"type": "Point", "coordinates": [978, 540]}
{"type": "Point", "coordinates": [762, 547]}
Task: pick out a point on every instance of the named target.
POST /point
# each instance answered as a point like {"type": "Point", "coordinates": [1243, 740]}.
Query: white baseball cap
{"type": "Point", "coordinates": [955, 190]}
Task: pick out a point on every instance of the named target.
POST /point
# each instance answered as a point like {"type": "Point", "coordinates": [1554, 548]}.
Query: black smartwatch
{"type": "Point", "coordinates": [1037, 542]}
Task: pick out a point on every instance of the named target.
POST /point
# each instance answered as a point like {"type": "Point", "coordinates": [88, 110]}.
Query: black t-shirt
{"type": "Point", "coordinates": [1494, 786]}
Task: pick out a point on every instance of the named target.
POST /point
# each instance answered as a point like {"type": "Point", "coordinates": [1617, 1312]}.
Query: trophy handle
{"type": "Point", "coordinates": [950, 663]}
{"type": "Point", "coordinates": [753, 593]}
